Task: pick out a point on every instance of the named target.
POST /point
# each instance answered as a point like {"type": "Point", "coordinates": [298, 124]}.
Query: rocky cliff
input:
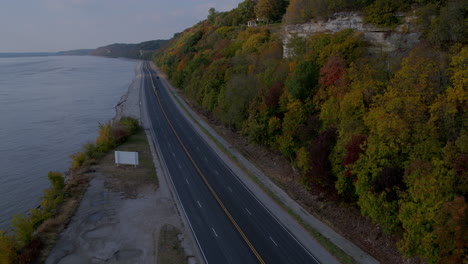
{"type": "Point", "coordinates": [403, 37]}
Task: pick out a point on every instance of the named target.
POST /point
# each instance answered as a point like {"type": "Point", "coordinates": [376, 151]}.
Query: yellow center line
{"type": "Point", "coordinates": [206, 181]}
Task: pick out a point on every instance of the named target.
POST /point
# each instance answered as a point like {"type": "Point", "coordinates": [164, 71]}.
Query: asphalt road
{"type": "Point", "coordinates": [229, 223]}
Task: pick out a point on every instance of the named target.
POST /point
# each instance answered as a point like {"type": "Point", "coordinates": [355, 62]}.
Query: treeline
{"type": "Point", "coordinates": [142, 51]}
{"type": "Point", "coordinates": [387, 134]}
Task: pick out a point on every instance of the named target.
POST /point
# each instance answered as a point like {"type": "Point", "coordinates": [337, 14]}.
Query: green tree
{"type": "Point", "coordinates": [294, 118]}
{"type": "Point", "coordinates": [211, 15]}
{"type": "Point", "coordinates": [303, 80]}
{"type": "Point", "coordinates": [247, 10]}
{"type": "Point", "coordinates": [381, 12]}
{"type": "Point", "coordinates": [235, 99]}
{"type": "Point", "coordinates": [451, 25]}
{"type": "Point", "coordinates": [270, 10]}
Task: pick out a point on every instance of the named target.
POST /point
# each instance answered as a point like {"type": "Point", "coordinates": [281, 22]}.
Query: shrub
{"type": "Point", "coordinates": [23, 229]}
{"type": "Point", "coordinates": [30, 252]}
{"type": "Point", "coordinates": [110, 135]}
{"type": "Point", "coordinates": [118, 134]}
{"type": "Point", "coordinates": [77, 160]}
{"type": "Point", "coordinates": [39, 215]}
{"type": "Point", "coordinates": [302, 160]}
{"type": "Point", "coordinates": [51, 200]}
{"type": "Point", "coordinates": [130, 123]}
{"type": "Point", "coordinates": [56, 180]}
{"type": "Point", "coordinates": [91, 151]}
{"type": "Point", "coordinates": [104, 141]}
{"type": "Point", "coordinates": [7, 248]}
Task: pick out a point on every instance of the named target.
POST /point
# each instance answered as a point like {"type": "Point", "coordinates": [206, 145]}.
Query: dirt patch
{"type": "Point", "coordinates": [125, 179]}
{"type": "Point", "coordinates": [121, 214]}
{"type": "Point", "coordinates": [344, 218]}
{"type": "Point", "coordinates": [170, 250]}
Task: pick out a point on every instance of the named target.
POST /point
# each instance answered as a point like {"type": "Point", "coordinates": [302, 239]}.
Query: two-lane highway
{"type": "Point", "coordinates": [229, 223]}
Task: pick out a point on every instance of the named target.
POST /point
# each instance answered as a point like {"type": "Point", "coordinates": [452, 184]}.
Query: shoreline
{"type": "Point", "coordinates": [109, 225]}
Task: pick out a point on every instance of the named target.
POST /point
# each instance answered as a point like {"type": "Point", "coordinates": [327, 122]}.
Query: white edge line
{"type": "Point", "coordinates": [214, 232]}
{"type": "Point", "coordinates": [248, 211]}
{"type": "Point", "coordinates": [273, 241]}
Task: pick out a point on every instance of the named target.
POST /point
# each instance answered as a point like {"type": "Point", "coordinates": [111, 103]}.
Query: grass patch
{"type": "Point", "coordinates": [325, 242]}
{"type": "Point", "coordinates": [129, 179]}
{"type": "Point", "coordinates": [170, 250]}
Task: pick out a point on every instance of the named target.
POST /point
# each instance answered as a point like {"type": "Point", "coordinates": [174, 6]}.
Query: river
{"type": "Point", "coordinates": [50, 107]}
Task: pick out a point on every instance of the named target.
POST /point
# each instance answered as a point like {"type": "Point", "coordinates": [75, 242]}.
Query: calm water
{"type": "Point", "coordinates": [50, 107]}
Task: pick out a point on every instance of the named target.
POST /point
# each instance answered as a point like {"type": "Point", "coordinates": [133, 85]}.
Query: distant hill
{"type": "Point", "coordinates": [78, 52]}
{"type": "Point", "coordinates": [27, 54]}
{"type": "Point", "coordinates": [143, 50]}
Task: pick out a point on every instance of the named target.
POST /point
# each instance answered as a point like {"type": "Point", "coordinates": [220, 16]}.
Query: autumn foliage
{"type": "Point", "coordinates": [387, 132]}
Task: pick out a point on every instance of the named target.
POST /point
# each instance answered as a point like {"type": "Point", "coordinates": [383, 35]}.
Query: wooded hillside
{"type": "Point", "coordinates": [143, 50]}
{"type": "Point", "coordinates": [386, 132]}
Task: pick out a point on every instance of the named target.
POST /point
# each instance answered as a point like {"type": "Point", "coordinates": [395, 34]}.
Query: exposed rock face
{"type": "Point", "coordinates": [403, 37]}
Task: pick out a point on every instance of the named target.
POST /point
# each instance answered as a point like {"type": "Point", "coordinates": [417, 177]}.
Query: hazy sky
{"type": "Point", "coordinates": [56, 25]}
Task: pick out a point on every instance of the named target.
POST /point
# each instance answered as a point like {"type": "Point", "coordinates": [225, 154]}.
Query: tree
{"type": "Point", "coordinates": [211, 15]}
{"type": "Point", "coordinates": [273, 95]}
{"type": "Point", "coordinates": [451, 25]}
{"type": "Point", "coordinates": [246, 10]}
{"type": "Point", "coordinates": [332, 72]}
{"type": "Point", "coordinates": [319, 167]}
{"type": "Point", "coordinates": [270, 10]}
{"type": "Point", "coordinates": [303, 80]}
{"type": "Point", "coordinates": [381, 12]}
{"type": "Point", "coordinates": [294, 118]}
{"type": "Point", "coordinates": [239, 92]}
{"type": "Point", "coordinates": [451, 232]}
{"type": "Point", "coordinates": [430, 188]}
{"type": "Point", "coordinates": [302, 11]}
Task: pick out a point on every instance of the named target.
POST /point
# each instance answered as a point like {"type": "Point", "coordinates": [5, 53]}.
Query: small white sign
{"type": "Point", "coordinates": [126, 157]}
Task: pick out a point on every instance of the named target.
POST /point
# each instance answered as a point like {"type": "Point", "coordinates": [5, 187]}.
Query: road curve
{"type": "Point", "coordinates": [229, 223]}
